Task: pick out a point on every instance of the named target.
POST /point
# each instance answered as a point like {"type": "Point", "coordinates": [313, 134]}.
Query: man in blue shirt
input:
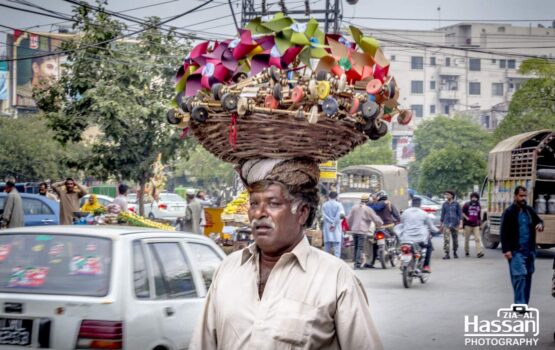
{"type": "Point", "coordinates": [451, 216]}
{"type": "Point", "coordinates": [332, 213]}
{"type": "Point", "coordinates": [518, 241]}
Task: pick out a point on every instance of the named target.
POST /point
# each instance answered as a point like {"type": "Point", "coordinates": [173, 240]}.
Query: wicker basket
{"type": "Point", "coordinates": [277, 136]}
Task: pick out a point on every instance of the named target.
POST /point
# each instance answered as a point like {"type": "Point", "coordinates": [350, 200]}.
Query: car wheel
{"type": "Point", "coordinates": [488, 240]}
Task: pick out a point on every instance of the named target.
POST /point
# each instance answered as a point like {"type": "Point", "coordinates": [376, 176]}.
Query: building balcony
{"type": "Point", "coordinates": [445, 94]}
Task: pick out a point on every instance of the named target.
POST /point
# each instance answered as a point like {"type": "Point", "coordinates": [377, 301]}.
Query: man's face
{"type": "Point", "coordinates": [520, 198]}
{"type": "Point", "coordinates": [42, 189]}
{"type": "Point", "coordinates": [274, 227]}
{"type": "Point", "coordinates": [45, 71]}
{"type": "Point", "coordinates": [201, 195]}
{"type": "Point", "coordinates": [70, 185]}
{"type": "Point", "coordinates": [474, 199]}
{"type": "Point", "coordinates": [448, 196]}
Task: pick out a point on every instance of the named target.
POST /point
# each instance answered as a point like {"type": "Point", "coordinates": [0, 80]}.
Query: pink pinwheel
{"type": "Point", "coordinates": [273, 57]}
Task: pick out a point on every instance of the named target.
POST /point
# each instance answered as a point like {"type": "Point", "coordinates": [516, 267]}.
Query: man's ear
{"type": "Point", "coordinates": [303, 213]}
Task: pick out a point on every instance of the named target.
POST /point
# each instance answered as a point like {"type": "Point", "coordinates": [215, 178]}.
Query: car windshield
{"type": "Point", "coordinates": [171, 197]}
{"type": "Point", "coordinates": [55, 264]}
{"type": "Point", "coordinates": [132, 198]}
{"type": "Point", "coordinates": [428, 201]}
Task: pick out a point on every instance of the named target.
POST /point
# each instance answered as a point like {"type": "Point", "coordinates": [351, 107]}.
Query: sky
{"type": "Point", "coordinates": [451, 11]}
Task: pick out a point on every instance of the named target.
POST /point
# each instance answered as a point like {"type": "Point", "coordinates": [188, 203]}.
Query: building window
{"type": "Point", "coordinates": [432, 84]}
{"type": "Point", "coordinates": [497, 89]}
{"type": "Point", "coordinates": [493, 61]}
{"type": "Point", "coordinates": [447, 61]}
{"type": "Point", "coordinates": [502, 63]}
{"type": "Point", "coordinates": [432, 109]}
{"type": "Point", "coordinates": [416, 87]}
{"type": "Point", "coordinates": [392, 58]}
{"type": "Point", "coordinates": [474, 88]}
{"type": "Point", "coordinates": [418, 110]}
{"type": "Point", "coordinates": [446, 109]}
{"type": "Point", "coordinates": [432, 61]}
{"type": "Point", "coordinates": [449, 82]}
{"type": "Point", "coordinates": [474, 64]}
{"type": "Point", "coordinates": [417, 62]}
{"type": "Point", "coordinates": [511, 64]}
{"type": "Point", "coordinates": [501, 29]}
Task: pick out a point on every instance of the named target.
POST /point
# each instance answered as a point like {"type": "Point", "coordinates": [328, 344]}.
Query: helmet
{"type": "Point", "coordinates": [381, 194]}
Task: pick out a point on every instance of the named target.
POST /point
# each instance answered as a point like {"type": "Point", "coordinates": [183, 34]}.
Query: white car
{"type": "Point", "coordinates": [101, 287]}
{"type": "Point", "coordinates": [169, 206]}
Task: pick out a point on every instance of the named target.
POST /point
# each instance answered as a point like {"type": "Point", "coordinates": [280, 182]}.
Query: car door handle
{"type": "Point", "coordinates": [169, 311]}
{"type": "Point", "coordinates": [47, 221]}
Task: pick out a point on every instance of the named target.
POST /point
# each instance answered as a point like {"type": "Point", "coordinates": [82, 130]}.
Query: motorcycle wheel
{"type": "Point", "coordinates": [424, 278]}
{"type": "Point", "coordinates": [394, 252]}
{"type": "Point", "coordinates": [381, 257]}
{"type": "Point", "coordinates": [407, 276]}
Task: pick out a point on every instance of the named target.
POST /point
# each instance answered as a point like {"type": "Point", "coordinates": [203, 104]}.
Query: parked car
{"type": "Point", "coordinates": [90, 287]}
{"type": "Point", "coordinates": [37, 210]}
{"type": "Point", "coordinates": [431, 207]}
{"type": "Point", "coordinates": [169, 206]}
{"type": "Point", "coordinates": [102, 199]}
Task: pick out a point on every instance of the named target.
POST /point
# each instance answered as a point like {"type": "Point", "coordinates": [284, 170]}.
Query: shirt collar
{"type": "Point", "coordinates": [300, 252]}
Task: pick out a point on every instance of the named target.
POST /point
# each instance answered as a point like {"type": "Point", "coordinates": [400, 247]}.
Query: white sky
{"type": "Point", "coordinates": [468, 10]}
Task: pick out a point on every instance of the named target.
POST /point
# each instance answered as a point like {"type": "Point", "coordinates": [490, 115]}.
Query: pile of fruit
{"type": "Point", "coordinates": [239, 205]}
{"type": "Point", "coordinates": [136, 220]}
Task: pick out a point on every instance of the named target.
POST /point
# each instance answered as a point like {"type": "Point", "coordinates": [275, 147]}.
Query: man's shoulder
{"type": "Point", "coordinates": [329, 262]}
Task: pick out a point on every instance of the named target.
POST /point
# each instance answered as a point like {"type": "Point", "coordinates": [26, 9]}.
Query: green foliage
{"type": "Point", "coordinates": [434, 135]}
{"type": "Point", "coordinates": [372, 152]}
{"type": "Point", "coordinates": [29, 152]}
{"type": "Point", "coordinates": [206, 170]}
{"type": "Point", "coordinates": [533, 105]}
{"type": "Point", "coordinates": [442, 131]}
{"type": "Point", "coordinates": [451, 168]}
{"type": "Point", "coordinates": [124, 88]}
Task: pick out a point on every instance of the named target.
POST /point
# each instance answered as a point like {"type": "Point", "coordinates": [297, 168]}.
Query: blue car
{"type": "Point", "coordinates": [38, 210]}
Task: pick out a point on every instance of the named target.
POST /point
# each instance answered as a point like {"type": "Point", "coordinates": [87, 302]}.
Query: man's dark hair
{"type": "Point", "coordinates": [122, 188]}
{"type": "Point", "coordinates": [69, 179]}
{"type": "Point", "coordinates": [452, 193]}
{"type": "Point", "coordinates": [10, 183]}
{"type": "Point", "coordinates": [333, 195]}
{"type": "Point", "coordinates": [474, 195]}
{"type": "Point", "coordinates": [198, 194]}
{"type": "Point", "coordinates": [519, 189]}
{"type": "Point", "coordinates": [416, 202]}
{"type": "Point", "coordinates": [43, 184]}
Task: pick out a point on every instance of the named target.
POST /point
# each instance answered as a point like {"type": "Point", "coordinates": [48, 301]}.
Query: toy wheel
{"type": "Point", "coordinates": [355, 106]}
{"type": "Point", "coordinates": [216, 89]}
{"type": "Point", "coordinates": [313, 116]}
{"type": "Point", "coordinates": [370, 110]}
{"type": "Point", "coordinates": [242, 106]}
{"type": "Point", "coordinates": [275, 73]}
{"type": "Point", "coordinates": [297, 94]}
{"type": "Point", "coordinates": [342, 83]}
{"type": "Point", "coordinates": [172, 118]}
{"type": "Point", "coordinates": [392, 87]}
{"type": "Point", "coordinates": [229, 102]}
{"type": "Point", "coordinates": [312, 88]}
{"type": "Point", "coordinates": [323, 89]}
{"type": "Point", "coordinates": [330, 106]}
{"type": "Point", "coordinates": [188, 106]}
{"type": "Point", "coordinates": [277, 92]}
{"type": "Point", "coordinates": [380, 128]}
{"type": "Point", "coordinates": [300, 114]}
{"type": "Point", "coordinates": [200, 114]}
{"type": "Point", "coordinates": [374, 86]}
{"type": "Point", "coordinates": [404, 117]}
{"type": "Point", "coordinates": [239, 77]}
{"type": "Point", "coordinates": [271, 102]}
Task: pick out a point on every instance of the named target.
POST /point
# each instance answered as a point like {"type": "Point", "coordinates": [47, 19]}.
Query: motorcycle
{"type": "Point", "coordinates": [412, 263]}
{"type": "Point", "coordinates": [387, 247]}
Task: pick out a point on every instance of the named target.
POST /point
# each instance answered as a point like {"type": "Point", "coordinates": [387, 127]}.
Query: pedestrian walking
{"type": "Point", "coordinates": [451, 216]}
{"type": "Point", "coordinates": [519, 224]}
{"type": "Point", "coordinates": [69, 192]}
{"type": "Point", "coordinates": [43, 191]}
{"type": "Point", "coordinates": [12, 216]}
{"type": "Point", "coordinates": [204, 203]}
{"type": "Point", "coordinates": [360, 220]}
{"type": "Point", "coordinates": [285, 294]}
{"type": "Point", "coordinates": [332, 213]}
{"type": "Point", "coordinates": [472, 214]}
{"type": "Point", "coordinates": [192, 214]}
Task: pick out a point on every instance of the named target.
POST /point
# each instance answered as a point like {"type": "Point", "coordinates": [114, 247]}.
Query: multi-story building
{"type": "Point", "coordinates": [468, 68]}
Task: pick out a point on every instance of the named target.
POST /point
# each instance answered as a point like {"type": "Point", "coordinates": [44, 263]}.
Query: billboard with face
{"type": "Point", "coordinates": [32, 66]}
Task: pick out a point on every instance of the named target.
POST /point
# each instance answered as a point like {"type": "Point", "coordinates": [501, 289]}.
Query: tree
{"type": "Point", "coordinates": [533, 105]}
{"type": "Point", "coordinates": [207, 170]}
{"type": "Point", "coordinates": [451, 168]}
{"type": "Point", "coordinates": [372, 152]}
{"type": "Point", "coordinates": [442, 131]}
{"type": "Point", "coordinates": [122, 87]}
{"type": "Point", "coordinates": [29, 152]}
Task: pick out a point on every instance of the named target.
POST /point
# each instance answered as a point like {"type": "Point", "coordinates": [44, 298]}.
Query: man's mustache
{"type": "Point", "coordinates": [265, 221]}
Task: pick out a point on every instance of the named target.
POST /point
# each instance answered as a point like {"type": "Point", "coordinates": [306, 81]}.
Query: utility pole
{"type": "Point", "coordinates": [329, 14]}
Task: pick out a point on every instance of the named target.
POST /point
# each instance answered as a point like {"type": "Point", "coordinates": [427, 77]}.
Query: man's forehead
{"type": "Point", "coordinates": [271, 191]}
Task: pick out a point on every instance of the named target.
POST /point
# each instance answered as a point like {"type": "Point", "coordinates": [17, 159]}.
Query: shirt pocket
{"type": "Point", "coordinates": [293, 323]}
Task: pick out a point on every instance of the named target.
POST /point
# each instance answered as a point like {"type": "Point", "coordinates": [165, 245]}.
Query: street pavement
{"type": "Point", "coordinates": [431, 316]}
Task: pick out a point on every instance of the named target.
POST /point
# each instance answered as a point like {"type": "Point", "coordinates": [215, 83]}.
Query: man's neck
{"type": "Point", "coordinates": [270, 259]}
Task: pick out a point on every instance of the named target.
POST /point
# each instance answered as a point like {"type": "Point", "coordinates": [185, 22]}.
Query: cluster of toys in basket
{"type": "Point", "coordinates": [282, 67]}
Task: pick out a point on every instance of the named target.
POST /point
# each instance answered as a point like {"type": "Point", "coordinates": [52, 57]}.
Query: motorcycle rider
{"type": "Point", "coordinates": [389, 215]}
{"type": "Point", "coordinates": [416, 227]}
